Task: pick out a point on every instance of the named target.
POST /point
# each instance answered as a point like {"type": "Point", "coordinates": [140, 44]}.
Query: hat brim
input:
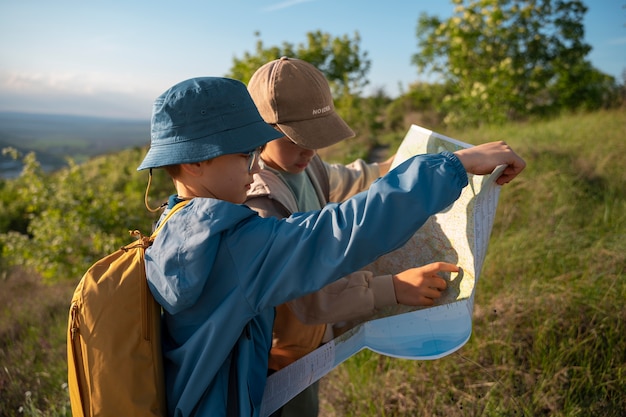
{"type": "Point", "coordinates": [317, 133]}
{"type": "Point", "coordinates": [240, 140]}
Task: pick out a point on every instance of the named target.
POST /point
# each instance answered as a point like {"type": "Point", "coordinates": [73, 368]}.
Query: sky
{"type": "Point", "coordinates": [113, 58]}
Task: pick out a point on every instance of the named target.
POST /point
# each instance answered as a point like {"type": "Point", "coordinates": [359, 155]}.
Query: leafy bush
{"type": "Point", "coordinates": [57, 225]}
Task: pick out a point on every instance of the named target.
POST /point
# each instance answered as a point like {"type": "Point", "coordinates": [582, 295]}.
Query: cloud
{"type": "Point", "coordinates": [85, 83]}
{"type": "Point", "coordinates": [89, 94]}
{"type": "Point", "coordinates": [123, 106]}
{"type": "Point", "coordinates": [285, 5]}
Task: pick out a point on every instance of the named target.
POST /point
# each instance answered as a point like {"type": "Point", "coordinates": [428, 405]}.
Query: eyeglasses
{"type": "Point", "coordinates": [253, 157]}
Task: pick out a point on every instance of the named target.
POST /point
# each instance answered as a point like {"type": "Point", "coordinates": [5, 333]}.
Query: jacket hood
{"type": "Point", "coordinates": [189, 241]}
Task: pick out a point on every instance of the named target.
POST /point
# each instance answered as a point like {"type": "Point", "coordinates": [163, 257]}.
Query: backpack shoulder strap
{"type": "Point", "coordinates": [169, 214]}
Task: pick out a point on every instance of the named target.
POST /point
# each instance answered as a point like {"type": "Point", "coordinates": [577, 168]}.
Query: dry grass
{"type": "Point", "coordinates": [32, 344]}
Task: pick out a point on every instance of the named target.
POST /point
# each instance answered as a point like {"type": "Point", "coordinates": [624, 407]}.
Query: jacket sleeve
{"type": "Point", "coordinates": [341, 237]}
{"type": "Point", "coordinates": [355, 296]}
{"type": "Point", "coordinates": [348, 180]}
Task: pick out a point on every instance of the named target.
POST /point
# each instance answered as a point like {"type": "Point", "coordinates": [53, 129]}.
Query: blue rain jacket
{"type": "Point", "coordinates": [218, 270]}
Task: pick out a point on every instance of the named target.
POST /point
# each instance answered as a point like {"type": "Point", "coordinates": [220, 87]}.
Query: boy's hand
{"type": "Point", "coordinates": [423, 285]}
{"type": "Point", "coordinates": [483, 159]}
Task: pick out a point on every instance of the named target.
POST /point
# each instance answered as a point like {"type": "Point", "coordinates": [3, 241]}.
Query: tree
{"type": "Point", "coordinates": [243, 68]}
{"type": "Point", "coordinates": [339, 58]}
{"type": "Point", "coordinates": [508, 59]}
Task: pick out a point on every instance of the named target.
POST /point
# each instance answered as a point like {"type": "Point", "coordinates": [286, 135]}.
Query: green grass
{"type": "Point", "coordinates": [549, 335]}
{"type": "Point", "coordinates": [549, 332]}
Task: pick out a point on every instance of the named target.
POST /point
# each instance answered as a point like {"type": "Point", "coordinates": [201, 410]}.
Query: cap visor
{"type": "Point", "coordinates": [319, 132]}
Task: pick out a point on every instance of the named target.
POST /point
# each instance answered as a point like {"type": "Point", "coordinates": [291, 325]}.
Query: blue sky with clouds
{"type": "Point", "coordinates": [113, 58]}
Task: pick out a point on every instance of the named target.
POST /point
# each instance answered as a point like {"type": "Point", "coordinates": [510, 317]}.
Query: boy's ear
{"type": "Point", "coordinates": [193, 169]}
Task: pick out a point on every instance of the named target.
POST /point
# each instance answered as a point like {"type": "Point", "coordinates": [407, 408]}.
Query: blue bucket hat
{"type": "Point", "coordinates": [203, 118]}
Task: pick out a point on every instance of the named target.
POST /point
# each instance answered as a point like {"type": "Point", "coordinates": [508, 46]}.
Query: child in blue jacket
{"type": "Point", "coordinates": [218, 269]}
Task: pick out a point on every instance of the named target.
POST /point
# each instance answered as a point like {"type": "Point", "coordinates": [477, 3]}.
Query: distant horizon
{"type": "Point", "coordinates": [83, 116]}
{"type": "Point", "coordinates": [55, 137]}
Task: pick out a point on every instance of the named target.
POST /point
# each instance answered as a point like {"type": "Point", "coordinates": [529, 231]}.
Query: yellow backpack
{"type": "Point", "coordinates": [115, 367]}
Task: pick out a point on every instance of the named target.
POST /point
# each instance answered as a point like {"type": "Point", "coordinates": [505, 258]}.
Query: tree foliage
{"type": "Point", "coordinates": [509, 59]}
{"type": "Point", "coordinates": [339, 58]}
{"type": "Point", "coordinates": [57, 225]}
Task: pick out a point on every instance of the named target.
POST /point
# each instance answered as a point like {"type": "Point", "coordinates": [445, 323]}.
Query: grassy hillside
{"type": "Point", "coordinates": [549, 332]}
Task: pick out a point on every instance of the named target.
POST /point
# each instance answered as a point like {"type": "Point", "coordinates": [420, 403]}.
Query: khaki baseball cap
{"type": "Point", "coordinates": [295, 96]}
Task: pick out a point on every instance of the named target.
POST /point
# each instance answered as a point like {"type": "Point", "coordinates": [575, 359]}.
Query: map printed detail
{"type": "Point", "coordinates": [459, 235]}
